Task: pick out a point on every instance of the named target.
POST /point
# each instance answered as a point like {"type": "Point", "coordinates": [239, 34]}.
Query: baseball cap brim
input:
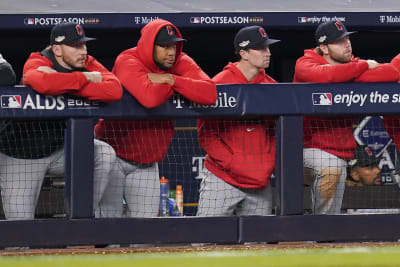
{"type": "Point", "coordinates": [81, 40]}
{"type": "Point", "coordinates": [263, 43]}
{"type": "Point", "coordinates": [341, 36]}
{"type": "Point", "coordinates": [171, 41]}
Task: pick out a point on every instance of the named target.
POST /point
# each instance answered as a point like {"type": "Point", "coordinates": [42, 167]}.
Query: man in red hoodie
{"type": "Point", "coordinates": [30, 149]}
{"type": "Point", "coordinates": [329, 141]}
{"type": "Point", "coordinates": [152, 72]}
{"type": "Point", "coordinates": [240, 153]}
{"type": "Point", "coordinates": [392, 123]}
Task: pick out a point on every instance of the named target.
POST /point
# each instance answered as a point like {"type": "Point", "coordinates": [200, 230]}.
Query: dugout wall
{"type": "Point", "coordinates": [210, 35]}
{"type": "Point", "coordinates": [79, 228]}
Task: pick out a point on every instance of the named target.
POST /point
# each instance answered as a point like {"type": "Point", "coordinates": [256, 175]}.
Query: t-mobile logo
{"type": "Point", "coordinates": [198, 166]}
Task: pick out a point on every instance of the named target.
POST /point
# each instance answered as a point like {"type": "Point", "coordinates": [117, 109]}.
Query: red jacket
{"type": "Point", "coordinates": [74, 83]}
{"type": "Point", "coordinates": [240, 152]}
{"type": "Point", "coordinates": [335, 134]}
{"type": "Point", "coordinates": [392, 123]}
{"type": "Point", "coordinates": [147, 141]}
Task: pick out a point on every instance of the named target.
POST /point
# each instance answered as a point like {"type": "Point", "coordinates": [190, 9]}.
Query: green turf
{"type": "Point", "coordinates": [388, 256]}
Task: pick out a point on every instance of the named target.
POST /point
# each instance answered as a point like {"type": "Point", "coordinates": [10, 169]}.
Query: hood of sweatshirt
{"type": "Point", "coordinates": [232, 67]}
{"type": "Point", "coordinates": [145, 44]}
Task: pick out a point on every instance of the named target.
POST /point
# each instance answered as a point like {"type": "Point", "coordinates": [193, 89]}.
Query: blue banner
{"type": "Point", "coordinates": [202, 20]}
{"type": "Point", "coordinates": [232, 101]}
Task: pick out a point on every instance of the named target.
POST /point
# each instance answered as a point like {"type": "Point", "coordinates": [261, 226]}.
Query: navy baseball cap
{"type": "Point", "coordinates": [68, 33]}
{"type": "Point", "coordinates": [363, 157]}
{"type": "Point", "coordinates": [330, 31]}
{"type": "Point", "coordinates": [252, 37]}
{"type": "Point", "coordinates": [167, 35]}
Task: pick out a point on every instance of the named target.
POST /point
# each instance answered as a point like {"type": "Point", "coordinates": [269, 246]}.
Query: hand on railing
{"type": "Point", "coordinates": [46, 69]}
{"type": "Point", "coordinates": [372, 64]}
{"type": "Point", "coordinates": [93, 76]}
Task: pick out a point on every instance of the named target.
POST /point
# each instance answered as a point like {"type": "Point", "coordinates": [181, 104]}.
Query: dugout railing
{"type": "Point", "coordinates": [287, 101]}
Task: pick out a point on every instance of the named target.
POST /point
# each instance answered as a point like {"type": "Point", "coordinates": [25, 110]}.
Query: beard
{"type": "Point", "coordinates": [340, 58]}
{"type": "Point", "coordinates": [74, 64]}
{"type": "Point", "coordinates": [162, 66]}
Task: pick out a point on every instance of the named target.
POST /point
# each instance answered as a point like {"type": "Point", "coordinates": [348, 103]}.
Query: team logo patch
{"type": "Point", "coordinates": [322, 99]}
{"type": "Point", "coordinates": [11, 101]}
{"type": "Point", "coordinates": [59, 39]}
{"type": "Point", "coordinates": [170, 30]}
{"type": "Point", "coordinates": [339, 25]}
{"type": "Point", "coordinates": [262, 32]}
{"type": "Point", "coordinates": [244, 43]}
{"type": "Point", "coordinates": [79, 29]}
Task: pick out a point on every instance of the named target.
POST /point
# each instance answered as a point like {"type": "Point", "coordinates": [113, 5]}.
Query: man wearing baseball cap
{"type": "Point", "coordinates": [240, 153]}
{"type": "Point", "coordinates": [364, 168]}
{"type": "Point", "coordinates": [30, 149]}
{"type": "Point", "coordinates": [152, 72]}
{"type": "Point", "coordinates": [328, 141]}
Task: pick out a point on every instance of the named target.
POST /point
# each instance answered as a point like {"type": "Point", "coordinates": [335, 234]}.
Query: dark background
{"type": "Point", "coordinates": [212, 49]}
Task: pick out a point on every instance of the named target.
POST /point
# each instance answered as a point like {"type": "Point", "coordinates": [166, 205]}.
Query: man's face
{"type": "Point", "coordinates": [72, 56]}
{"type": "Point", "coordinates": [257, 57]}
{"type": "Point", "coordinates": [339, 51]}
{"type": "Point", "coordinates": [370, 175]}
{"type": "Point", "coordinates": [164, 55]}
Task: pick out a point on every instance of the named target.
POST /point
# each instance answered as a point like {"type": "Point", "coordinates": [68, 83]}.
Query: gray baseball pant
{"type": "Point", "coordinates": [21, 179]}
{"type": "Point", "coordinates": [218, 198]}
{"type": "Point", "coordinates": [138, 184]}
{"type": "Point", "coordinates": [327, 174]}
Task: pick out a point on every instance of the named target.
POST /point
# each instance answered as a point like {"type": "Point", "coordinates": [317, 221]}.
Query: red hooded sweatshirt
{"type": "Point", "coordinates": [147, 141]}
{"type": "Point", "coordinates": [392, 123]}
{"type": "Point", "coordinates": [335, 134]}
{"type": "Point", "coordinates": [240, 152]}
{"type": "Point", "coordinates": [73, 83]}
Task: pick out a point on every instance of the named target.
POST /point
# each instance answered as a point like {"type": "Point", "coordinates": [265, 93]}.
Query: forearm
{"type": "Point", "coordinates": [199, 91]}
{"type": "Point", "coordinates": [308, 72]}
{"type": "Point", "coordinates": [106, 91]}
{"type": "Point", "coordinates": [54, 83]}
{"type": "Point", "coordinates": [382, 73]}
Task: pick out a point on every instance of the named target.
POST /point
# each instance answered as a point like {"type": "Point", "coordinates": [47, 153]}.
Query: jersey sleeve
{"type": "Point", "coordinates": [108, 90]}
{"type": "Point", "coordinates": [309, 70]}
{"type": "Point", "coordinates": [383, 73]}
{"type": "Point", "coordinates": [193, 83]}
{"type": "Point", "coordinates": [396, 62]}
{"type": "Point", "coordinates": [211, 141]}
{"type": "Point", "coordinates": [56, 83]}
{"type": "Point", "coordinates": [133, 77]}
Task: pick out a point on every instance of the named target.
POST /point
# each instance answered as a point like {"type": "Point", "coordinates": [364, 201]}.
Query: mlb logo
{"type": "Point", "coordinates": [195, 20]}
{"type": "Point", "coordinates": [11, 101]}
{"type": "Point", "coordinates": [29, 21]}
{"type": "Point", "coordinates": [302, 19]}
{"type": "Point", "coordinates": [322, 99]}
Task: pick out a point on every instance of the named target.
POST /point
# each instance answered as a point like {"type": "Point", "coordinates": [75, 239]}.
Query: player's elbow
{"type": "Point", "coordinates": [116, 94]}
{"type": "Point", "coordinates": [40, 88]}
{"type": "Point", "coordinates": [209, 95]}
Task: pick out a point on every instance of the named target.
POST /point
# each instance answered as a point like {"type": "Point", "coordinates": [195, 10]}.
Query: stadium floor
{"type": "Point", "coordinates": [79, 250]}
